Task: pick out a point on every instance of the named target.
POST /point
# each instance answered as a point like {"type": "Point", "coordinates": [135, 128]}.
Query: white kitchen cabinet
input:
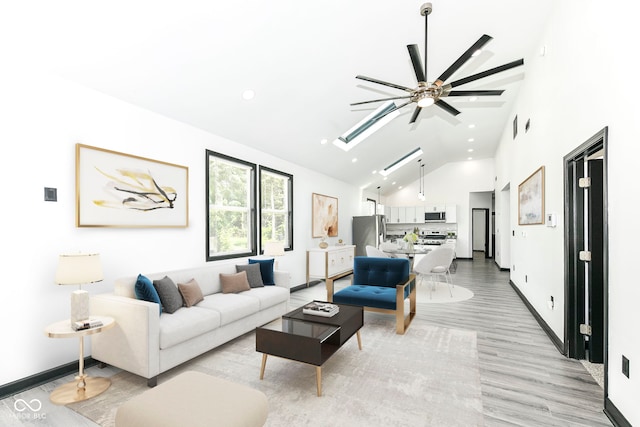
{"type": "Point", "coordinates": [330, 263]}
{"type": "Point", "coordinates": [434, 207]}
{"type": "Point", "coordinates": [451, 214]}
{"type": "Point", "coordinates": [419, 214]}
{"type": "Point", "coordinates": [394, 214]}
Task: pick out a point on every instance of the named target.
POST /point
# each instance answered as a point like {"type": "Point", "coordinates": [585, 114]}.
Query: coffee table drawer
{"type": "Point", "coordinates": [295, 339]}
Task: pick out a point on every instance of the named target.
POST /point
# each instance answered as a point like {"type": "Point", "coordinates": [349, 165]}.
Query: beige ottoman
{"type": "Point", "coordinates": [195, 399]}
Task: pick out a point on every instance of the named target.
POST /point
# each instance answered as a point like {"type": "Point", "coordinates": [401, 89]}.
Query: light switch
{"type": "Point", "coordinates": [50, 194]}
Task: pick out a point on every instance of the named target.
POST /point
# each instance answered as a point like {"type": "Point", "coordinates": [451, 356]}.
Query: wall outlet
{"type": "Point", "coordinates": [625, 366]}
{"type": "Point", "coordinates": [526, 279]}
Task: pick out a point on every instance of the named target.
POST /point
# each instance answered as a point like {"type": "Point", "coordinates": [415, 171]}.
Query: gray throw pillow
{"type": "Point", "coordinates": [254, 276]}
{"type": "Point", "coordinates": [169, 294]}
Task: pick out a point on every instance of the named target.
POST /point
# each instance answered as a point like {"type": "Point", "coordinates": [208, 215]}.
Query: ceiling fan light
{"type": "Point", "coordinates": [427, 101]}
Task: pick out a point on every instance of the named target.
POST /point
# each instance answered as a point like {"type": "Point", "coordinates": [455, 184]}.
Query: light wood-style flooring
{"type": "Point", "coordinates": [525, 380]}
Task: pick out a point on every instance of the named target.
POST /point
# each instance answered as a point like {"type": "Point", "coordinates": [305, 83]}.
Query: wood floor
{"type": "Point", "coordinates": [525, 380]}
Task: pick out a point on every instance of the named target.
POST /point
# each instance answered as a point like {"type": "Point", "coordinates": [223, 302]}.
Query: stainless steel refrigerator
{"type": "Point", "coordinates": [368, 230]}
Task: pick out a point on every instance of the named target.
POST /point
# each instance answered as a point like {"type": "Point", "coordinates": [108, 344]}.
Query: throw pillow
{"type": "Point", "coordinates": [233, 283]}
{"type": "Point", "coordinates": [254, 275]}
{"type": "Point", "coordinates": [266, 269]}
{"type": "Point", "coordinates": [146, 292]}
{"type": "Point", "coordinates": [169, 294]}
{"type": "Point", "coordinates": [191, 292]}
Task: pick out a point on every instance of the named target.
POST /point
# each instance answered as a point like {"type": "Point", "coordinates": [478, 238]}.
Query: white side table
{"type": "Point", "coordinates": [84, 387]}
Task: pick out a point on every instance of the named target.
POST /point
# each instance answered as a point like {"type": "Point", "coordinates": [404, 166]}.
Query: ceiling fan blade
{"type": "Point", "coordinates": [487, 73]}
{"type": "Point", "coordinates": [464, 58]}
{"type": "Point", "coordinates": [473, 93]}
{"type": "Point", "coordinates": [380, 82]}
{"type": "Point", "coordinates": [447, 107]}
{"type": "Point", "coordinates": [414, 53]}
{"type": "Point", "coordinates": [381, 99]}
{"type": "Point", "coordinates": [415, 115]}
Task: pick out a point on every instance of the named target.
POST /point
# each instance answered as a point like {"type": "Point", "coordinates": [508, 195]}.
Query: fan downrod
{"type": "Point", "coordinates": [426, 9]}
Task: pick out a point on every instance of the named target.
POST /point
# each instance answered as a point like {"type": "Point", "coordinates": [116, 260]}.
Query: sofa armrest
{"type": "Point", "coordinates": [282, 278]}
{"type": "Point", "coordinates": [133, 344]}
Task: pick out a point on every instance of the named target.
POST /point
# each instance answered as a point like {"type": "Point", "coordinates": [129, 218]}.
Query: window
{"type": "Point", "coordinates": [276, 207]}
{"type": "Point", "coordinates": [231, 192]}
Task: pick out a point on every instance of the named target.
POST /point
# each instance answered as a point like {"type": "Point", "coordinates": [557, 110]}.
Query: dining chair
{"type": "Point", "coordinates": [436, 264]}
{"type": "Point", "coordinates": [375, 252]}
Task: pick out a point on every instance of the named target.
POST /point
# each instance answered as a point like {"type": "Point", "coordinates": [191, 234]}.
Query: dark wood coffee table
{"type": "Point", "coordinates": [308, 338]}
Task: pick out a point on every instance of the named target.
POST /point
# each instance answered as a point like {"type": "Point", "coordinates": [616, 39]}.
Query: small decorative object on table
{"type": "Point", "coordinates": [86, 324]}
{"type": "Point", "coordinates": [323, 244]}
{"type": "Point", "coordinates": [340, 243]}
{"type": "Point", "coordinates": [318, 308]}
{"type": "Point", "coordinates": [411, 239]}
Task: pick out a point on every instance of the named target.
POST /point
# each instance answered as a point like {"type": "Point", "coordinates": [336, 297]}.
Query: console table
{"type": "Point", "coordinates": [84, 387]}
{"type": "Point", "coordinates": [331, 263]}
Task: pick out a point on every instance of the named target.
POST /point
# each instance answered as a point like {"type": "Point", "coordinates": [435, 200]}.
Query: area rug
{"type": "Point", "coordinates": [427, 377]}
{"type": "Point", "coordinates": [440, 293]}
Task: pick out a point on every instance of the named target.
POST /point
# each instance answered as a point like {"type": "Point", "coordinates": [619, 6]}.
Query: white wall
{"type": "Point", "coordinates": [451, 184]}
{"type": "Point", "coordinates": [580, 86]}
{"type": "Point", "coordinates": [43, 118]}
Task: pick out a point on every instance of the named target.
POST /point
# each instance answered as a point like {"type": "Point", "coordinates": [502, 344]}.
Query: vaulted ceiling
{"type": "Point", "coordinates": [192, 61]}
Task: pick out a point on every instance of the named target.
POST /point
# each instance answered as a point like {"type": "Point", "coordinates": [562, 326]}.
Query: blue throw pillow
{"type": "Point", "coordinates": [146, 291]}
{"type": "Point", "coordinates": [266, 269]}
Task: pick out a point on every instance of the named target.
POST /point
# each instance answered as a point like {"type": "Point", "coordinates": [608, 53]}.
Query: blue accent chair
{"type": "Point", "coordinates": [381, 285]}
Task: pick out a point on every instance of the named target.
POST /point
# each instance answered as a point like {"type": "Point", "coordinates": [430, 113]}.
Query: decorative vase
{"type": "Point", "coordinates": [323, 244]}
{"type": "Point", "coordinates": [410, 246]}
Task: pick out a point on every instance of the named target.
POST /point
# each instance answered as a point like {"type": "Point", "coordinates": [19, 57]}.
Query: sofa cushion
{"type": "Point", "coordinates": [191, 292]}
{"type": "Point", "coordinates": [145, 291]}
{"type": "Point", "coordinates": [169, 294]}
{"type": "Point", "coordinates": [234, 283]}
{"type": "Point", "coordinates": [231, 307]}
{"type": "Point", "coordinates": [254, 275]}
{"type": "Point", "coordinates": [266, 269]}
{"type": "Point", "coordinates": [268, 296]}
{"type": "Point", "coordinates": [186, 324]}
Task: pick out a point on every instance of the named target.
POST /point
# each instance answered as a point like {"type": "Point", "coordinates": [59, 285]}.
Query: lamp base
{"type": "Point", "coordinates": [79, 306]}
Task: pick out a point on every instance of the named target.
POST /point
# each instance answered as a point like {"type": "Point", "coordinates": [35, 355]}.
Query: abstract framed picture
{"type": "Point", "coordinates": [324, 219]}
{"type": "Point", "coordinates": [531, 199]}
{"type": "Point", "coordinates": [122, 190]}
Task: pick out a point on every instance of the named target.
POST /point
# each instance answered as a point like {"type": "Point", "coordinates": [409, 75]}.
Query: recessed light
{"type": "Point", "coordinates": [374, 172]}
{"type": "Point", "coordinates": [470, 150]}
{"type": "Point", "coordinates": [471, 126]}
{"type": "Point", "coordinates": [354, 160]}
{"type": "Point", "coordinates": [469, 158]}
{"type": "Point", "coordinates": [470, 140]}
{"type": "Point", "coordinates": [393, 183]}
{"type": "Point", "coordinates": [400, 188]}
{"type": "Point", "coordinates": [248, 94]}
{"type": "Point", "coordinates": [324, 141]}
{"type": "Point", "coordinates": [385, 178]}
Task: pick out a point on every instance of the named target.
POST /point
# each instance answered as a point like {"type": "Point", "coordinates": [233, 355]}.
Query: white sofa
{"type": "Point", "coordinates": [147, 343]}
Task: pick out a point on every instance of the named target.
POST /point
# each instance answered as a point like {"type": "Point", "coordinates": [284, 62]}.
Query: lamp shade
{"type": "Point", "coordinates": [78, 269]}
{"type": "Point", "coordinates": [274, 249]}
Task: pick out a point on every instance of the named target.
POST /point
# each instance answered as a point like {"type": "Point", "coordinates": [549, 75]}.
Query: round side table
{"type": "Point", "coordinates": [84, 387]}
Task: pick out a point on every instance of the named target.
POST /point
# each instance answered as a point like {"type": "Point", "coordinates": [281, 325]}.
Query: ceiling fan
{"type": "Point", "coordinates": [429, 93]}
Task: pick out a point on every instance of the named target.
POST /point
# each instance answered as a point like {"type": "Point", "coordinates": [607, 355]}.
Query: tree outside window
{"type": "Point", "coordinates": [276, 207]}
{"type": "Point", "coordinates": [231, 224]}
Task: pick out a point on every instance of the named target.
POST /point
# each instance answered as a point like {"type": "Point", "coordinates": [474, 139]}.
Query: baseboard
{"type": "Point", "coordinates": [545, 327]}
{"type": "Point", "coordinates": [614, 415]}
{"type": "Point", "coordinates": [500, 268]}
{"type": "Point", "coordinates": [32, 381]}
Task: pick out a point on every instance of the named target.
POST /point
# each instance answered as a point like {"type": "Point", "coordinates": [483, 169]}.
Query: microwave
{"type": "Point", "coordinates": [435, 217]}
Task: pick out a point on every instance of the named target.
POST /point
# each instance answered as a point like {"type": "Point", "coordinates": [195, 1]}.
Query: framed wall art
{"type": "Point", "coordinates": [531, 199]}
{"type": "Point", "coordinates": [122, 190]}
{"type": "Point", "coordinates": [324, 215]}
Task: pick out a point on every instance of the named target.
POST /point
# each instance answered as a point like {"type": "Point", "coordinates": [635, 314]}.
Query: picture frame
{"type": "Point", "coordinates": [531, 199]}
{"type": "Point", "coordinates": [324, 215]}
{"type": "Point", "coordinates": [115, 189]}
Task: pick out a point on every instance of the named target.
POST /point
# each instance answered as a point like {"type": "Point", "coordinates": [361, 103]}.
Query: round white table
{"type": "Point", "coordinates": [84, 387]}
